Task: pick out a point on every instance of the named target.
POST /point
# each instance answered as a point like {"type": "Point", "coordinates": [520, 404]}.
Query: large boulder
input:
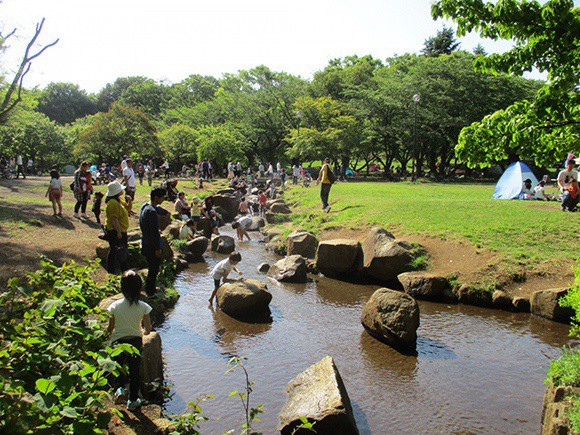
{"type": "Point", "coordinates": [393, 318]}
{"type": "Point", "coordinates": [545, 303]}
{"type": "Point", "coordinates": [319, 395]}
{"type": "Point", "coordinates": [151, 370]}
{"type": "Point", "coordinates": [227, 191]}
{"type": "Point", "coordinates": [257, 223]}
{"type": "Point", "coordinates": [271, 202]}
{"type": "Point", "coordinates": [197, 247]}
{"type": "Point", "coordinates": [470, 295]}
{"type": "Point", "coordinates": [164, 218]}
{"type": "Point", "coordinates": [204, 227]}
{"type": "Point", "coordinates": [338, 257]}
{"type": "Point", "coordinates": [228, 204]}
{"type": "Point", "coordinates": [301, 243]}
{"type": "Point", "coordinates": [172, 231]}
{"type": "Point", "coordinates": [275, 218]}
{"type": "Point", "coordinates": [289, 269]}
{"type": "Point", "coordinates": [244, 299]}
{"type": "Point", "coordinates": [223, 244]}
{"type": "Point", "coordinates": [383, 257]}
{"type": "Point", "coordinates": [280, 208]}
{"type": "Point", "coordinates": [102, 251]}
{"type": "Point", "coordinates": [423, 285]}
{"type": "Point", "coordinates": [166, 251]}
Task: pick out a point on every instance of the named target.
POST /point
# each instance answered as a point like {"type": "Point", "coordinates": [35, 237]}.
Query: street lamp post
{"type": "Point", "coordinates": [415, 174]}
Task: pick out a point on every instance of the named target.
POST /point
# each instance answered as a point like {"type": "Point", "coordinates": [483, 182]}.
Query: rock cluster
{"type": "Point", "coordinates": [245, 299]}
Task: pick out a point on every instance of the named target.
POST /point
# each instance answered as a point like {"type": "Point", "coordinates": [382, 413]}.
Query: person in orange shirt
{"type": "Point", "coordinates": [570, 201]}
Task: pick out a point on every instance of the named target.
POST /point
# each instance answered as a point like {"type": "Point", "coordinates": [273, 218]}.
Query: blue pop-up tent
{"type": "Point", "coordinates": [511, 182]}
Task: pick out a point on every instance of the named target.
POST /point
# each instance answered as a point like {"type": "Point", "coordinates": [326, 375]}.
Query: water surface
{"type": "Point", "coordinates": [477, 370]}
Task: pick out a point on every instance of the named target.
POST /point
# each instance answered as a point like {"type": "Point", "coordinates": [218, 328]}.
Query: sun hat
{"type": "Point", "coordinates": [195, 199]}
{"type": "Point", "coordinates": [114, 188]}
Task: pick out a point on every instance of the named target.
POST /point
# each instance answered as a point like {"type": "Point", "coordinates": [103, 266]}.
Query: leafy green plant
{"type": "Point", "coordinates": [188, 422]}
{"type": "Point", "coordinates": [54, 368]}
{"type": "Point", "coordinates": [250, 413]}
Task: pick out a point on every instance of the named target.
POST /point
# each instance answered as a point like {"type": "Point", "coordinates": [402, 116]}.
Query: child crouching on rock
{"type": "Point", "coordinates": [222, 270]}
{"type": "Point", "coordinates": [127, 316]}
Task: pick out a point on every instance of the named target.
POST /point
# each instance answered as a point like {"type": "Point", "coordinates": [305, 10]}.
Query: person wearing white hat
{"type": "Point", "coordinates": [116, 225]}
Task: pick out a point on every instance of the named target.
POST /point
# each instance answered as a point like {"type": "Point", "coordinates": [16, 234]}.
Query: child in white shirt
{"type": "Point", "coordinates": [222, 270]}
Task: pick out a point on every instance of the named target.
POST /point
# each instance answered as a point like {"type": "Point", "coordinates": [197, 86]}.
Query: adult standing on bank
{"type": "Point", "coordinates": [325, 178]}
{"type": "Point", "coordinates": [116, 226]}
{"type": "Point", "coordinates": [19, 166]}
{"type": "Point", "coordinates": [129, 179]}
{"type": "Point", "coordinates": [151, 239]}
{"type": "Point", "coordinates": [82, 189]}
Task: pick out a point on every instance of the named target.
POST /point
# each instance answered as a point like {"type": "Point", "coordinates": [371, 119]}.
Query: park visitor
{"type": "Point", "coordinates": [565, 177]}
{"type": "Point", "coordinates": [241, 226]}
{"type": "Point", "coordinates": [129, 320]}
{"type": "Point", "coordinates": [295, 174]}
{"type": "Point", "coordinates": [187, 230]}
{"type": "Point", "coordinates": [82, 189]}
{"type": "Point", "coordinates": [182, 207]}
{"type": "Point", "coordinates": [263, 200]}
{"type": "Point", "coordinates": [124, 162]}
{"type": "Point", "coordinates": [30, 166]}
{"type": "Point", "coordinates": [540, 192]}
{"type": "Point", "coordinates": [19, 166]}
{"type": "Point", "coordinates": [54, 193]}
{"type": "Point", "coordinates": [570, 198]}
{"type": "Point", "coordinates": [222, 270]}
{"type": "Point", "coordinates": [129, 179]}
{"type": "Point", "coordinates": [97, 201]}
{"type": "Point", "coordinates": [151, 239]}
{"type": "Point", "coordinates": [243, 208]}
{"type": "Point", "coordinates": [526, 192]}
{"type": "Point", "coordinates": [208, 211]}
{"type": "Point", "coordinates": [325, 178]}
{"type": "Point", "coordinates": [116, 226]}
{"type": "Point", "coordinates": [195, 212]}
{"type": "Point", "coordinates": [282, 179]}
{"type": "Point", "coordinates": [140, 170]}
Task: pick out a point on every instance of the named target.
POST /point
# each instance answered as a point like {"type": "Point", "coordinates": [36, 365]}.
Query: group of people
{"type": "Point", "coordinates": [15, 166]}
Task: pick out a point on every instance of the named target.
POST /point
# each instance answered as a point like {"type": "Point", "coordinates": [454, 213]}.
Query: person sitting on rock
{"type": "Point", "coordinates": [187, 230]}
{"type": "Point", "coordinates": [182, 207]}
{"type": "Point", "coordinates": [222, 270]}
{"type": "Point", "coordinates": [243, 208]}
{"type": "Point", "coordinates": [241, 226]}
{"type": "Point", "coordinates": [128, 316]}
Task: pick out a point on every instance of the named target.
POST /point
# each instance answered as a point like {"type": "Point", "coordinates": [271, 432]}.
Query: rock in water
{"type": "Point", "coordinates": [318, 394]}
{"type": "Point", "coordinates": [263, 268]}
{"type": "Point", "coordinates": [197, 248]}
{"type": "Point", "coordinates": [151, 369]}
{"type": "Point", "coordinates": [384, 257]}
{"type": "Point", "coordinates": [257, 223]}
{"type": "Point", "coordinates": [244, 299]}
{"type": "Point", "coordinates": [338, 257]}
{"type": "Point", "coordinates": [289, 269]}
{"type": "Point", "coordinates": [229, 205]}
{"type": "Point", "coordinates": [426, 286]}
{"type": "Point", "coordinates": [545, 303]}
{"type": "Point", "coordinates": [393, 318]}
{"type": "Point", "coordinates": [301, 243]}
{"type": "Point", "coordinates": [223, 244]}
{"type": "Point", "coordinates": [173, 229]}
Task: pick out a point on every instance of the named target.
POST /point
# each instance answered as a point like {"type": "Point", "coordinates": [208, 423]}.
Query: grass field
{"type": "Point", "coordinates": [527, 234]}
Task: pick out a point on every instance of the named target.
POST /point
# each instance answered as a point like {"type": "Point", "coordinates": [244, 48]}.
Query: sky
{"type": "Point", "coordinates": [102, 40]}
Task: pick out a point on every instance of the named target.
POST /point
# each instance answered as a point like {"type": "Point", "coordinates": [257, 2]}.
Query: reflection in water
{"type": "Point", "coordinates": [477, 370]}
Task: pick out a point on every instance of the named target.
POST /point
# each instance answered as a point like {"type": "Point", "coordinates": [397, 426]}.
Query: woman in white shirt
{"type": "Point", "coordinates": [128, 316]}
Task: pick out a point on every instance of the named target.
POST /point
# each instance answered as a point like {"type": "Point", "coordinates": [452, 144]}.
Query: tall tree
{"type": "Point", "coordinates": [444, 42]}
{"type": "Point", "coordinates": [112, 92]}
{"type": "Point", "coordinates": [12, 92]}
{"type": "Point", "coordinates": [545, 37]}
{"type": "Point", "coordinates": [65, 103]}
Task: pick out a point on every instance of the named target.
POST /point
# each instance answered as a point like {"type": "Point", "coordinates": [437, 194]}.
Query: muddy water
{"type": "Point", "coordinates": [477, 370]}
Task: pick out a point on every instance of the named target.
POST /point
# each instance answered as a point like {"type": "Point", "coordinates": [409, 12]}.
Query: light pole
{"type": "Point", "coordinates": [414, 175]}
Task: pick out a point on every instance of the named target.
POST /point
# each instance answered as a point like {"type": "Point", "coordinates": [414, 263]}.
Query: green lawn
{"type": "Point", "coordinates": [519, 232]}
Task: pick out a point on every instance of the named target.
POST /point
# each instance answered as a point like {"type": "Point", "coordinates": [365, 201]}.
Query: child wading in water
{"type": "Point", "coordinates": [222, 270]}
{"type": "Point", "coordinates": [54, 192]}
{"type": "Point", "coordinates": [241, 226]}
{"type": "Point", "coordinates": [127, 316]}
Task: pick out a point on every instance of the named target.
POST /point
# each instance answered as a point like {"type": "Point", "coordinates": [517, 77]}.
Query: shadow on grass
{"type": "Point", "coordinates": [32, 214]}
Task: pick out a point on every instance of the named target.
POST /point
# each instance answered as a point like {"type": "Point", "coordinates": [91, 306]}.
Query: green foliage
{"type": "Point", "coordinates": [178, 143]}
{"type": "Point", "coordinates": [188, 423]}
{"type": "Point", "coordinates": [54, 369]}
{"type": "Point", "coordinates": [64, 103]}
{"type": "Point", "coordinates": [121, 130]}
{"type": "Point", "coordinates": [444, 42]}
{"type": "Point", "coordinates": [572, 300]}
{"type": "Point", "coordinates": [566, 369]}
{"type": "Point", "coordinates": [250, 413]}
{"type": "Point", "coordinates": [220, 144]}
{"type": "Point", "coordinates": [546, 38]}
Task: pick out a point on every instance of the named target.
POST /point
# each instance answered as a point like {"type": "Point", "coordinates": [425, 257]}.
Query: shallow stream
{"type": "Point", "coordinates": [477, 370]}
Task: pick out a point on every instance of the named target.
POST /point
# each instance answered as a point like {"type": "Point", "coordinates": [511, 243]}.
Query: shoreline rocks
{"type": "Point", "coordinates": [223, 244]}
{"type": "Point", "coordinates": [319, 395]}
{"type": "Point", "coordinates": [427, 286]}
{"type": "Point", "coordinates": [339, 257]}
{"type": "Point", "coordinates": [545, 303]}
{"type": "Point", "coordinates": [301, 243]}
{"type": "Point", "coordinates": [393, 318]}
{"type": "Point", "coordinates": [384, 257]}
